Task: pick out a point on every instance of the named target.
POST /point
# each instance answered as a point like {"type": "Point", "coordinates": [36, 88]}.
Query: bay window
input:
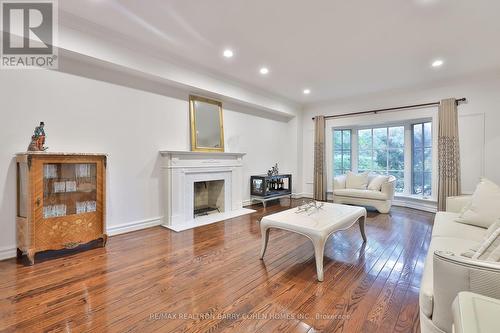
{"type": "Point", "coordinates": [383, 150]}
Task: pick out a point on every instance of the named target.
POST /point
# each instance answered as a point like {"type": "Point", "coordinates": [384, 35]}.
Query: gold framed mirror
{"type": "Point", "coordinates": [207, 129]}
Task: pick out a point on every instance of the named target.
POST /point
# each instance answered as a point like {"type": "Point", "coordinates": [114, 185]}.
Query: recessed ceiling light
{"type": "Point", "coordinates": [264, 70]}
{"type": "Point", "coordinates": [228, 53]}
{"type": "Point", "coordinates": [437, 63]}
{"type": "Point", "coordinates": [426, 2]}
{"type": "Point", "coordinates": [307, 91]}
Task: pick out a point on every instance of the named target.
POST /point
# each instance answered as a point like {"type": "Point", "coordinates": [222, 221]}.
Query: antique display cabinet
{"type": "Point", "coordinates": [264, 188]}
{"type": "Point", "coordinates": [60, 201]}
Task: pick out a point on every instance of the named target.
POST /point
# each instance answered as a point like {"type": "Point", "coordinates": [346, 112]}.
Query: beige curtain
{"type": "Point", "coordinates": [319, 159]}
{"type": "Point", "coordinates": [449, 152]}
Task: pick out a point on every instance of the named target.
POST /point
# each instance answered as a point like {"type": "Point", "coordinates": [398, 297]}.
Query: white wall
{"type": "Point", "coordinates": [479, 122]}
{"type": "Point", "coordinates": [85, 115]}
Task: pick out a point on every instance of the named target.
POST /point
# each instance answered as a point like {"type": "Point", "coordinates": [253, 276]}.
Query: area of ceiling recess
{"type": "Point", "coordinates": [339, 49]}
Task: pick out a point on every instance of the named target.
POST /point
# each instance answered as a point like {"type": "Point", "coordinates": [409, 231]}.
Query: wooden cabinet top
{"type": "Point", "coordinates": [281, 175]}
{"type": "Point", "coordinates": [45, 153]}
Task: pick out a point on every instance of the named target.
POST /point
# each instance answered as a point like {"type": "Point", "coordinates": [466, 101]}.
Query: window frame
{"type": "Point", "coordinates": [423, 148]}
{"type": "Point", "coordinates": [342, 150]}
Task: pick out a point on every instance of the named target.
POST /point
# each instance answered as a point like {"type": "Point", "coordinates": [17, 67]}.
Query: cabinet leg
{"type": "Point", "coordinates": [31, 256]}
{"type": "Point", "coordinates": [104, 239]}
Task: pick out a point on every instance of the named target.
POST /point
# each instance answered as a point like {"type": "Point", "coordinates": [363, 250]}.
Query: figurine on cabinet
{"type": "Point", "coordinates": [274, 171]}
{"type": "Point", "coordinates": [38, 139]}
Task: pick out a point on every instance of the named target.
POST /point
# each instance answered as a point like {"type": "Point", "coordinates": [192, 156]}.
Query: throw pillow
{"type": "Point", "coordinates": [376, 183]}
{"type": "Point", "coordinates": [339, 182]}
{"type": "Point", "coordinates": [483, 209]}
{"type": "Point", "coordinates": [491, 229]}
{"type": "Point", "coordinates": [489, 248]}
{"type": "Point", "coordinates": [478, 250]}
{"type": "Point", "coordinates": [357, 181]}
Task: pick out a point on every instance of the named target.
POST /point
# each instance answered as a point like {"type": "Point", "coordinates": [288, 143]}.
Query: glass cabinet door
{"type": "Point", "coordinates": [69, 188]}
{"type": "Point", "coordinates": [257, 186]}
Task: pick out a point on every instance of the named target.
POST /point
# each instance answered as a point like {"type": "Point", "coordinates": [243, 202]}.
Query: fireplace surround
{"type": "Point", "coordinates": [182, 171]}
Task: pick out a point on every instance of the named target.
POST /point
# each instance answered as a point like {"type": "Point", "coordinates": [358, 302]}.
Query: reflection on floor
{"type": "Point", "coordinates": [211, 279]}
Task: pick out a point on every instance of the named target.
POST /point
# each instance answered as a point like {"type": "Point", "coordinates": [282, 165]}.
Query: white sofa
{"type": "Point", "coordinates": [446, 272]}
{"type": "Point", "coordinates": [380, 200]}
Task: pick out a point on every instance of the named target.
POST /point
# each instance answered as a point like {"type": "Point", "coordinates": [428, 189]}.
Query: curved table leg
{"type": "Point", "coordinates": [361, 222]}
{"type": "Point", "coordinates": [319, 250]}
{"type": "Point", "coordinates": [265, 240]}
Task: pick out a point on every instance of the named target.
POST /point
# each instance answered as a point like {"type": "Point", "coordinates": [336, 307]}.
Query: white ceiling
{"type": "Point", "coordinates": [337, 48]}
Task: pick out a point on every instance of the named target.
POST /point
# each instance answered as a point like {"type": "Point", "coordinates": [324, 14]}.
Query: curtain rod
{"type": "Point", "coordinates": [460, 100]}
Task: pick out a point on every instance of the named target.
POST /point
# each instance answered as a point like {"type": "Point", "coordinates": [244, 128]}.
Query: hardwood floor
{"type": "Point", "coordinates": [210, 279]}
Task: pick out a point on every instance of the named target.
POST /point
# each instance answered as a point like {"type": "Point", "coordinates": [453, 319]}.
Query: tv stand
{"type": "Point", "coordinates": [265, 188]}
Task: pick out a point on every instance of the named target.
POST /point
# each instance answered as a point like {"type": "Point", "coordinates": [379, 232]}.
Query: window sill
{"type": "Point", "coordinates": [402, 196]}
{"type": "Point", "coordinates": [415, 202]}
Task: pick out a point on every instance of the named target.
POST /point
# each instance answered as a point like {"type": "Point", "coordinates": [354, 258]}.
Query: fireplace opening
{"type": "Point", "coordinates": [208, 197]}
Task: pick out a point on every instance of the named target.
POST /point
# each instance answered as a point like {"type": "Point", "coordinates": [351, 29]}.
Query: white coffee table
{"type": "Point", "coordinates": [317, 226]}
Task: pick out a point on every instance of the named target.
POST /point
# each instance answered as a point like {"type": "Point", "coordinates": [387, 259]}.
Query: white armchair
{"type": "Point", "coordinates": [381, 200]}
{"type": "Point", "coordinates": [455, 273]}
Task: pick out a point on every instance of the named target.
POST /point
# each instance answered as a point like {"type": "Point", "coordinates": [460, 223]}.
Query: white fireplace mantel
{"type": "Point", "coordinates": [181, 169]}
{"type": "Point", "coordinates": [201, 153]}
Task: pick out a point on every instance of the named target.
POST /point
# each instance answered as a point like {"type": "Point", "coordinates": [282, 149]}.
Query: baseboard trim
{"type": "Point", "coordinates": [8, 253]}
{"type": "Point", "coordinates": [400, 202]}
{"type": "Point", "coordinates": [134, 226]}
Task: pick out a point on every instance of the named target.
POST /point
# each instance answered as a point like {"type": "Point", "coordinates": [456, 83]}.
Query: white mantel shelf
{"type": "Point", "coordinates": [200, 153]}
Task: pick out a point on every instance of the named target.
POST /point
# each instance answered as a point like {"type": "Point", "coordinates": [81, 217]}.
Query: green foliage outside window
{"type": "Point", "coordinates": [381, 150]}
